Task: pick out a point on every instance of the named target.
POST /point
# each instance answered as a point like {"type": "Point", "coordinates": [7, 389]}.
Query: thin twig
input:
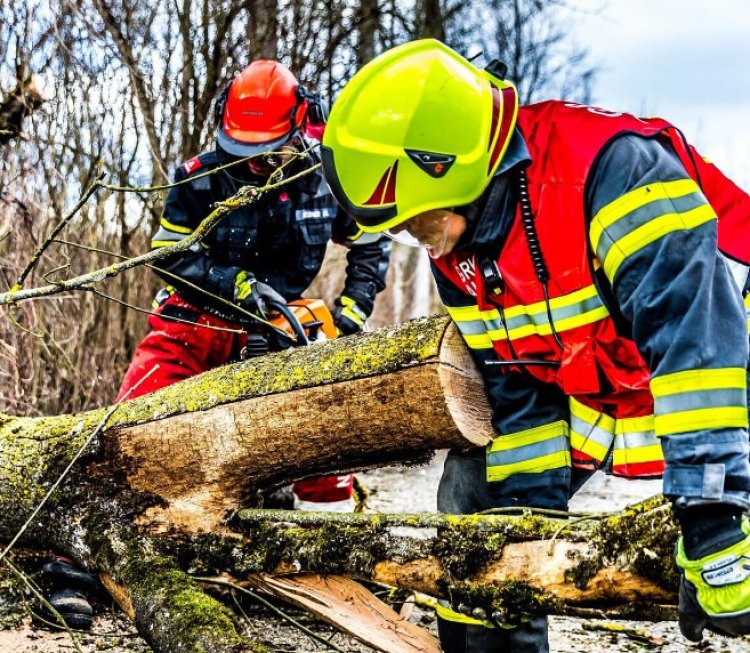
{"type": "Point", "coordinates": [169, 318]}
{"type": "Point", "coordinates": [275, 180]}
{"type": "Point", "coordinates": [185, 282]}
{"type": "Point", "coordinates": [568, 524]}
{"type": "Point", "coordinates": [246, 195]}
{"type": "Point", "coordinates": [272, 607]}
{"type": "Point", "coordinates": [58, 228]}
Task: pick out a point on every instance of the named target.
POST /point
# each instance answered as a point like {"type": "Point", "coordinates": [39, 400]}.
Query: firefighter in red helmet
{"type": "Point", "coordinates": [268, 251]}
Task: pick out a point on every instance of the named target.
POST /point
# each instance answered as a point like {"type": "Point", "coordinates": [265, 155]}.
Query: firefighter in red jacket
{"type": "Point", "coordinates": [579, 253]}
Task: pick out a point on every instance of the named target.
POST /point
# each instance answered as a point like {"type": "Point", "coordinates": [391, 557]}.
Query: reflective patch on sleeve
{"type": "Point", "coordinates": [531, 451]}
{"type": "Point", "coordinates": [694, 400]}
{"type": "Point", "coordinates": [643, 216]}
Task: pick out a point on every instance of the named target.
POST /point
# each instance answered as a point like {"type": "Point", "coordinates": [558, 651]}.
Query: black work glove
{"type": "Point", "coordinates": [348, 316]}
{"type": "Point", "coordinates": [253, 295]}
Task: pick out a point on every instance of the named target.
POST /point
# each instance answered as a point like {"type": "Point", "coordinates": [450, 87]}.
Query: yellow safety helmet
{"type": "Point", "coordinates": [417, 128]}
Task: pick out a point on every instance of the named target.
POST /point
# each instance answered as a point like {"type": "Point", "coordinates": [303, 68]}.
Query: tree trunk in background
{"type": "Point", "coordinates": [431, 23]}
{"type": "Point", "coordinates": [264, 24]}
{"type": "Point", "coordinates": [368, 23]}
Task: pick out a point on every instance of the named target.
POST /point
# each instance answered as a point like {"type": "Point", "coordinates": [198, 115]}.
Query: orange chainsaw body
{"type": "Point", "coordinates": [313, 315]}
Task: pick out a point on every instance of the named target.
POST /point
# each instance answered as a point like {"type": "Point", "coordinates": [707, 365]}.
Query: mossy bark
{"type": "Point", "coordinates": [202, 445]}
{"type": "Point", "coordinates": [158, 482]}
{"type": "Point", "coordinates": [623, 563]}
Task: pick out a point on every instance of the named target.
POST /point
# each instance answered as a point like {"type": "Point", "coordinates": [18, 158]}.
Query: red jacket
{"type": "Point", "coordinates": [602, 372]}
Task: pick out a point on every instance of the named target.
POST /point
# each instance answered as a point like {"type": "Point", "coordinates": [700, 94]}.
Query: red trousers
{"type": "Point", "coordinates": [173, 351]}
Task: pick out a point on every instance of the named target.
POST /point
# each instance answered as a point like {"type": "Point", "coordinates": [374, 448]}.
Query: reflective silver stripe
{"type": "Point", "coordinates": [165, 234]}
{"type": "Point", "coordinates": [635, 440]}
{"type": "Point", "coordinates": [591, 432]}
{"type": "Point", "coordinates": [527, 452]}
{"type": "Point", "coordinates": [471, 328]}
{"type": "Point", "coordinates": [699, 399]}
{"type": "Point", "coordinates": [531, 451]}
{"type": "Point", "coordinates": [474, 324]}
{"type": "Point", "coordinates": [643, 214]}
{"type": "Point", "coordinates": [540, 317]}
{"type": "Point", "coordinates": [569, 311]}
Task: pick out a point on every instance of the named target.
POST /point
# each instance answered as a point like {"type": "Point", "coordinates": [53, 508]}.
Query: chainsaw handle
{"type": "Point", "coordinates": [291, 318]}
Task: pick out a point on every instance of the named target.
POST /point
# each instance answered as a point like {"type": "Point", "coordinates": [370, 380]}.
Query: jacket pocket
{"type": "Point", "coordinates": [314, 236]}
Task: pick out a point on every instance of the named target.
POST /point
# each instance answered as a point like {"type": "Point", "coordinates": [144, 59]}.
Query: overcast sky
{"type": "Point", "coordinates": [685, 60]}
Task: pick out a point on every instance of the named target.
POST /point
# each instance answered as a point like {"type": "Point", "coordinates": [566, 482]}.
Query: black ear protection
{"type": "Point", "coordinates": [317, 109]}
{"type": "Point", "coordinates": [220, 104]}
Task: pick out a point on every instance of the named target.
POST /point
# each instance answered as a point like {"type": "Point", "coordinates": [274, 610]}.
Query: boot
{"type": "Point", "coordinates": [71, 589]}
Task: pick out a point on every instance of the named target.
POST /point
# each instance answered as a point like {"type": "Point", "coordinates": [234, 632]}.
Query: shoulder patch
{"type": "Point", "coordinates": [192, 165]}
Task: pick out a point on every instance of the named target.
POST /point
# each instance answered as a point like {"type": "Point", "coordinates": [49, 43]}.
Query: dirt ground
{"type": "Point", "coordinates": [392, 490]}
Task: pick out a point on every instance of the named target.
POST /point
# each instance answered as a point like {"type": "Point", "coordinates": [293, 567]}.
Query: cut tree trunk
{"type": "Point", "coordinates": [159, 482]}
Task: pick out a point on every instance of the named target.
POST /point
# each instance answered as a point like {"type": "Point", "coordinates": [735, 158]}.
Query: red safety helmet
{"type": "Point", "coordinates": [260, 110]}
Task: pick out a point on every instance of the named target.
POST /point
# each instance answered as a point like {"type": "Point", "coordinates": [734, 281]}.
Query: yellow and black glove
{"type": "Point", "coordinates": [715, 587]}
{"type": "Point", "coordinates": [253, 295]}
{"type": "Point", "coordinates": [348, 316]}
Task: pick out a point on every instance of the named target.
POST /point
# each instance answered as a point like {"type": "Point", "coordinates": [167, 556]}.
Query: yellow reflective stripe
{"type": "Point", "coordinates": [591, 431]}
{"type": "Point", "coordinates": [588, 446]}
{"type": "Point", "coordinates": [529, 451]}
{"type": "Point", "coordinates": [174, 227]}
{"type": "Point", "coordinates": [652, 231]}
{"type": "Point", "coordinates": [478, 341]}
{"type": "Point", "coordinates": [631, 455]}
{"type": "Point", "coordinates": [471, 313]}
{"type": "Point", "coordinates": [569, 311]}
{"type": "Point", "coordinates": [555, 302]}
{"type": "Point", "coordinates": [626, 425]}
{"type": "Point", "coordinates": [693, 400]}
{"type": "Point", "coordinates": [635, 199]}
{"type": "Point", "coordinates": [528, 436]}
{"type": "Point", "coordinates": [702, 418]}
{"type": "Point", "coordinates": [635, 441]}
{"type": "Point", "coordinates": [471, 323]}
{"type": "Point", "coordinates": [448, 614]}
{"type": "Point", "coordinates": [560, 325]}
{"type": "Point", "coordinates": [533, 466]}
{"type": "Point", "coordinates": [703, 379]}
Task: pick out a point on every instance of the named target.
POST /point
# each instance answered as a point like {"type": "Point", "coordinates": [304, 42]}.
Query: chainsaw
{"type": "Point", "coordinates": [300, 322]}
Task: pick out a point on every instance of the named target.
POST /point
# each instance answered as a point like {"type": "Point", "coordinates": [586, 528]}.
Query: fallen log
{"type": "Point", "coordinates": [157, 484]}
